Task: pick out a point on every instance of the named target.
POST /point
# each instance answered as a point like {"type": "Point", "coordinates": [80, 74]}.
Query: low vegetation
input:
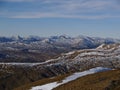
{"type": "Point", "coordinates": [109, 80]}
{"type": "Point", "coordinates": [41, 82]}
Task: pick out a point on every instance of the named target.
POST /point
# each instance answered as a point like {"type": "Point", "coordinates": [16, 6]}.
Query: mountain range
{"type": "Point", "coordinates": [38, 61]}
{"type": "Point", "coordinates": [38, 49]}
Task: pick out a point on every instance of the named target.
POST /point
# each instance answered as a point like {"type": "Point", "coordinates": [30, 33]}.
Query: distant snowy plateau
{"type": "Point", "coordinates": [37, 44]}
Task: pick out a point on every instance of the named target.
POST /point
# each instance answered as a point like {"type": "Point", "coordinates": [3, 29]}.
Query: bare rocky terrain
{"type": "Point", "coordinates": [23, 62]}
{"type": "Point", "coordinates": [39, 49]}
{"type": "Point", "coordinates": [79, 60]}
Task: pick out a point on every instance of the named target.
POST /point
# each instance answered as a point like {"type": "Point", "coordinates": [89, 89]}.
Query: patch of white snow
{"type": "Point", "coordinates": [50, 86]}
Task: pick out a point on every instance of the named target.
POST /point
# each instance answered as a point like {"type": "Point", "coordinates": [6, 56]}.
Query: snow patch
{"type": "Point", "coordinates": [91, 53]}
{"type": "Point", "coordinates": [52, 85]}
{"type": "Point", "coordinates": [27, 64]}
{"type": "Point", "coordinates": [101, 46]}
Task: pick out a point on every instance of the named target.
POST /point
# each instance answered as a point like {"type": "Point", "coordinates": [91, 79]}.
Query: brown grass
{"type": "Point", "coordinates": [41, 82]}
{"type": "Point", "coordinates": [99, 81]}
{"type": "Point", "coordinates": [109, 80]}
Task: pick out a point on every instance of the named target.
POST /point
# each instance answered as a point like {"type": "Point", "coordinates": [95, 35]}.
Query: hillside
{"type": "Point", "coordinates": [40, 49]}
{"type": "Point", "coordinates": [108, 80]}
{"type": "Point", "coordinates": [106, 55]}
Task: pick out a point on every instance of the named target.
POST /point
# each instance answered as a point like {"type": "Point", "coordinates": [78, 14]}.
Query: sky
{"type": "Point", "coordinates": [96, 18]}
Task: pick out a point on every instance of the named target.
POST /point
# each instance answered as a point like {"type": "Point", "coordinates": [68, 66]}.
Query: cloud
{"type": "Point", "coordinates": [28, 15]}
{"type": "Point", "coordinates": [86, 9]}
{"type": "Point", "coordinates": [17, 0]}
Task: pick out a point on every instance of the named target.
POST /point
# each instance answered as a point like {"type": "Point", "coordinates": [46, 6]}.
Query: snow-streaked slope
{"type": "Point", "coordinates": [52, 85]}
{"type": "Point", "coordinates": [104, 55]}
{"type": "Point", "coordinates": [62, 41]}
{"type": "Point", "coordinates": [28, 64]}
{"type": "Point", "coordinates": [47, 47]}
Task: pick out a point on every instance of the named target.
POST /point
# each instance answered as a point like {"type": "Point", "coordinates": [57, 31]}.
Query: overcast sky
{"type": "Point", "coordinates": [55, 17]}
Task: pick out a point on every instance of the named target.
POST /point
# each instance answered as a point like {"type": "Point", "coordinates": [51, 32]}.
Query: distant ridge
{"type": "Point", "coordinates": [44, 48]}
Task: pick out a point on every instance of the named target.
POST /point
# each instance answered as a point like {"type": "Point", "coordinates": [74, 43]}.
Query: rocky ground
{"type": "Point", "coordinates": [21, 73]}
